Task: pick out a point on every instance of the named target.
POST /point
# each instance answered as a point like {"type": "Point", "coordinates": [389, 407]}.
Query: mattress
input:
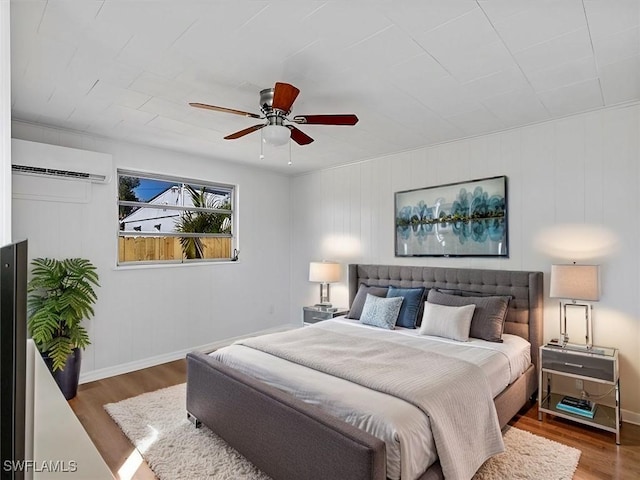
{"type": "Point", "coordinates": [403, 427]}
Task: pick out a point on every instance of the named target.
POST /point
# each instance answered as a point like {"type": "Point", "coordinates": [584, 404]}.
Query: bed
{"type": "Point", "coordinates": [289, 436]}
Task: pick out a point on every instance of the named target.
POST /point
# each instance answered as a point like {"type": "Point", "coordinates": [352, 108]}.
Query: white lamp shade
{"type": "Point", "coordinates": [575, 282]}
{"type": "Point", "coordinates": [324, 272]}
{"type": "Point", "coordinates": [276, 134]}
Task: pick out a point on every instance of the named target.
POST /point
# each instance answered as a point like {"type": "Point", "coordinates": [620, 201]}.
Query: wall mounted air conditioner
{"type": "Point", "coordinates": [33, 158]}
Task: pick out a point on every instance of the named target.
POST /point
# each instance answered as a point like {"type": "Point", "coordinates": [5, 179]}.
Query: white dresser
{"type": "Point", "coordinates": [60, 442]}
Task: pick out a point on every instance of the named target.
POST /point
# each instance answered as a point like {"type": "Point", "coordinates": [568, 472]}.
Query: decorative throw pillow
{"type": "Point", "coordinates": [421, 311]}
{"type": "Point", "coordinates": [447, 322]}
{"type": "Point", "coordinates": [358, 302]}
{"type": "Point", "coordinates": [489, 315]}
{"type": "Point", "coordinates": [413, 299]}
{"type": "Point", "coordinates": [381, 312]}
{"type": "Point", "coordinates": [462, 293]}
{"type": "Point", "coordinates": [468, 293]}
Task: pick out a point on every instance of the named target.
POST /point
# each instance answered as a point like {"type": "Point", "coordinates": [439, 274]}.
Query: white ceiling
{"type": "Point", "coordinates": [415, 72]}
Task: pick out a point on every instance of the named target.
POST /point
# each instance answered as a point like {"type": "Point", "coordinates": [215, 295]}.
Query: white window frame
{"type": "Point", "coordinates": [232, 190]}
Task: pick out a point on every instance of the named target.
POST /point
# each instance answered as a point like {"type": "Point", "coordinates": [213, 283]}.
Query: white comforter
{"type": "Point", "coordinates": [404, 428]}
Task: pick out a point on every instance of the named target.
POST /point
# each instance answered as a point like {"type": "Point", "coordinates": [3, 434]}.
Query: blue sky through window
{"type": "Point", "coordinates": [149, 189]}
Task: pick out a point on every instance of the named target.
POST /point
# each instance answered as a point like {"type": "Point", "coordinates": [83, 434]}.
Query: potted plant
{"type": "Point", "coordinates": [61, 296]}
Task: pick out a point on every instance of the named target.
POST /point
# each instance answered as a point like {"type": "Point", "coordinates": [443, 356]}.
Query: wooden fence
{"type": "Point", "coordinates": [146, 249]}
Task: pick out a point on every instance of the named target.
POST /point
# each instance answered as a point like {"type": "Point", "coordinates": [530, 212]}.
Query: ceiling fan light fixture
{"type": "Point", "coordinates": [276, 134]}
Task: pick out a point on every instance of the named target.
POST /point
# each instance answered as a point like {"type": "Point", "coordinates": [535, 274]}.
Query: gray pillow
{"type": "Point", "coordinates": [468, 293]}
{"type": "Point", "coordinates": [462, 293]}
{"type": "Point", "coordinates": [447, 322]}
{"type": "Point", "coordinates": [488, 317]}
{"type": "Point", "coordinates": [358, 302]}
{"type": "Point", "coordinates": [381, 312]}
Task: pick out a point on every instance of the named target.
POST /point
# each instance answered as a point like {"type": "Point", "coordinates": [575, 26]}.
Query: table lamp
{"type": "Point", "coordinates": [575, 282]}
{"type": "Point", "coordinates": [324, 273]}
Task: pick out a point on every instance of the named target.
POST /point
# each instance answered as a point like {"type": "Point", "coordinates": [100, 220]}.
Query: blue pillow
{"type": "Point", "coordinates": [413, 299]}
{"type": "Point", "coordinates": [380, 312]}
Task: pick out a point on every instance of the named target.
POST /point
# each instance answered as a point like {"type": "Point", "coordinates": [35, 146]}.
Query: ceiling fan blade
{"type": "Point", "coordinates": [226, 110]}
{"type": "Point", "coordinates": [299, 136]}
{"type": "Point", "coordinates": [340, 119]}
{"type": "Point", "coordinates": [244, 132]}
{"type": "Point", "coordinates": [283, 96]}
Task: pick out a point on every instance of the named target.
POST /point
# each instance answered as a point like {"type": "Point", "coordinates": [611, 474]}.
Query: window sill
{"type": "Point", "coordinates": [142, 266]}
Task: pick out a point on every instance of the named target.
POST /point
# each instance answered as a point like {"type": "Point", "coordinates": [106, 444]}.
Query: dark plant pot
{"type": "Point", "coordinates": [67, 378]}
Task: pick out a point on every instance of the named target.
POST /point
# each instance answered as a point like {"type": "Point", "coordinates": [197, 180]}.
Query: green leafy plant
{"type": "Point", "coordinates": [202, 222]}
{"type": "Point", "coordinates": [61, 295]}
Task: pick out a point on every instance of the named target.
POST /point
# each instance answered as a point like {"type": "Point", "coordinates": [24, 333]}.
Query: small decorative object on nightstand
{"type": "Point", "coordinates": [317, 314]}
{"type": "Point", "coordinates": [596, 365]}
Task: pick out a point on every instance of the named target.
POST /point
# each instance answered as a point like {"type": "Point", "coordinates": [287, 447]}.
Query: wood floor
{"type": "Point", "coordinates": [112, 444]}
{"type": "Point", "coordinates": [601, 458]}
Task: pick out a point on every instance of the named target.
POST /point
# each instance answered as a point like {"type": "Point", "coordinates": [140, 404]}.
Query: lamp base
{"type": "Point", "coordinates": [588, 329]}
{"type": "Point", "coordinates": [324, 296]}
{"type": "Point", "coordinates": [575, 347]}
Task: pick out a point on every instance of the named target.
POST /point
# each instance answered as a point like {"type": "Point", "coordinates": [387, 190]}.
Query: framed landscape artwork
{"type": "Point", "coordinates": [454, 220]}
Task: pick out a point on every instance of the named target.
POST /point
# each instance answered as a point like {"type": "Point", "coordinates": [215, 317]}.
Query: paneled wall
{"type": "Point", "coordinates": [147, 315]}
{"type": "Point", "coordinates": [573, 196]}
{"type": "Point", "coordinates": [5, 125]}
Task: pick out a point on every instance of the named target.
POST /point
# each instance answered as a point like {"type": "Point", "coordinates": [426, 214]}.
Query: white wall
{"type": "Point", "coordinates": [573, 195]}
{"type": "Point", "coordinates": [148, 315]}
{"type": "Point", "coordinates": [5, 125]}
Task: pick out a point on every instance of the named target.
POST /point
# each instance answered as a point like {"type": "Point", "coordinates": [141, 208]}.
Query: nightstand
{"type": "Point", "coordinates": [317, 314]}
{"type": "Point", "coordinates": [598, 365]}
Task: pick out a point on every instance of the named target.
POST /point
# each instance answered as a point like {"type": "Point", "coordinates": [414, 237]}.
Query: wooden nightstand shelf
{"type": "Point", "coordinates": [600, 365]}
{"type": "Point", "coordinates": [317, 314]}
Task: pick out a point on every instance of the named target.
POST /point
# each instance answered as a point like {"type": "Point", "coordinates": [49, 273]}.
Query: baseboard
{"type": "Point", "coordinates": [630, 417]}
{"type": "Point", "coordinates": [101, 373]}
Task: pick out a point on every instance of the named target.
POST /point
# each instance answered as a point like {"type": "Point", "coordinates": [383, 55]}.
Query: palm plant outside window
{"type": "Point", "coordinates": [173, 220]}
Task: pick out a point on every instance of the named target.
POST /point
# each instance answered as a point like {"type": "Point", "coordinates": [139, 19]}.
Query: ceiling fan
{"type": "Point", "coordinates": [275, 104]}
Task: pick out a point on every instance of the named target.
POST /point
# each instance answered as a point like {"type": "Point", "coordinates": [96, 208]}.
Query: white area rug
{"type": "Point", "coordinates": [156, 424]}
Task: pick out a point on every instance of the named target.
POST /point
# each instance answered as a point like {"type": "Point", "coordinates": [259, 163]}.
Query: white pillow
{"type": "Point", "coordinates": [447, 322]}
{"type": "Point", "coordinates": [381, 312]}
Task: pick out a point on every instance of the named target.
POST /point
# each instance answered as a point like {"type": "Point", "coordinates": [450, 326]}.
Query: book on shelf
{"type": "Point", "coordinates": [579, 406]}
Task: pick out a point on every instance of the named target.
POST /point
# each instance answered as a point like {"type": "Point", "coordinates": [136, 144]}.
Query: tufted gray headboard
{"type": "Point", "coordinates": [524, 317]}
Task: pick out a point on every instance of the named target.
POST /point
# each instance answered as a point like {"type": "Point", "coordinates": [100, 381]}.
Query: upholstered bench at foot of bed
{"type": "Point", "coordinates": [295, 440]}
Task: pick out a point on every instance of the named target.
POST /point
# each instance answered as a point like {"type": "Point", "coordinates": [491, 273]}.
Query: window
{"type": "Point", "coordinates": [173, 220]}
